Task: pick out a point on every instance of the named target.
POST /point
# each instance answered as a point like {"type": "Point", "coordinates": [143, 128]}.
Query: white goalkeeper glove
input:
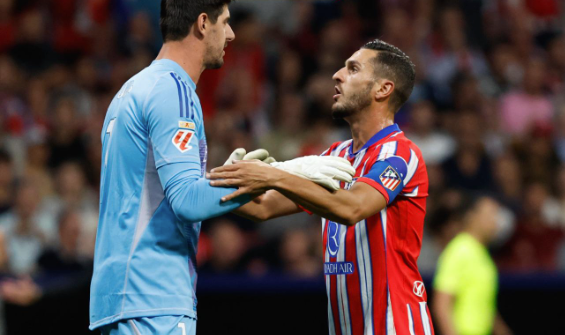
{"type": "Point", "coordinates": [326, 171]}
{"type": "Point", "coordinates": [241, 154]}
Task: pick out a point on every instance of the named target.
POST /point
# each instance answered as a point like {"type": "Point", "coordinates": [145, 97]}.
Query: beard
{"type": "Point", "coordinates": [214, 63]}
{"type": "Point", "coordinates": [357, 102]}
{"type": "Point", "coordinates": [214, 57]}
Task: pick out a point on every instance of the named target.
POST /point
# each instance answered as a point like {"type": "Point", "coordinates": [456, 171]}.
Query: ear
{"type": "Point", "coordinates": [384, 89]}
{"type": "Point", "coordinates": [202, 25]}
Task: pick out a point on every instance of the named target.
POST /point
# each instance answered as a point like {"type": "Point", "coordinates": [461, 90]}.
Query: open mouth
{"type": "Point", "coordinates": [337, 93]}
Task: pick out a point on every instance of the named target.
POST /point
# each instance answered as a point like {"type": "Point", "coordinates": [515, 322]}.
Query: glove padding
{"type": "Point", "coordinates": [326, 171]}
{"type": "Point", "coordinates": [240, 154]}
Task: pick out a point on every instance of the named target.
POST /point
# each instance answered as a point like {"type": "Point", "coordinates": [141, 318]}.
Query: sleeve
{"type": "Point", "coordinates": [387, 176]}
{"type": "Point", "coordinates": [449, 271]}
{"type": "Point", "coordinates": [175, 144]}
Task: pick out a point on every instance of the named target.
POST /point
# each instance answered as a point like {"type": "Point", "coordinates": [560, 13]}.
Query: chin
{"type": "Point", "coordinates": [215, 64]}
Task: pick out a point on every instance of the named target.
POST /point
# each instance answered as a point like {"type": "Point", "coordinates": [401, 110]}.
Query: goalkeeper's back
{"type": "Point", "coordinates": [145, 256]}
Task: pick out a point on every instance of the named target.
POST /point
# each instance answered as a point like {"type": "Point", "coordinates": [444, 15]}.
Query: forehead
{"type": "Point", "coordinates": [363, 56]}
{"type": "Point", "coordinates": [226, 12]}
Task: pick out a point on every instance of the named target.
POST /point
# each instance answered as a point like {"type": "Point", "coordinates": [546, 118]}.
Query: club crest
{"type": "Point", "coordinates": [390, 178]}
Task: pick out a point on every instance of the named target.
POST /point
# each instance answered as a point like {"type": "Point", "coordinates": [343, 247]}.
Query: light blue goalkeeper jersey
{"type": "Point", "coordinates": [153, 195]}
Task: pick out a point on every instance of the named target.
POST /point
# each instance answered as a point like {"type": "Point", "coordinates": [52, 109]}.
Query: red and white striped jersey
{"type": "Point", "coordinates": [372, 278]}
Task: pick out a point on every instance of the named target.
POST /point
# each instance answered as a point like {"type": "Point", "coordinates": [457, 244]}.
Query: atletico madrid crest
{"type": "Point", "coordinates": [182, 138]}
{"type": "Point", "coordinates": [390, 179]}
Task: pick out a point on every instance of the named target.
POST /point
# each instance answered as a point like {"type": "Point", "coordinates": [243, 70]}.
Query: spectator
{"type": "Point", "coordinates": [297, 256]}
{"type": "Point", "coordinates": [469, 168]}
{"type": "Point", "coordinates": [436, 146]}
{"type": "Point", "coordinates": [228, 249]}
{"type": "Point", "coordinates": [6, 182]}
{"type": "Point", "coordinates": [534, 245]}
{"type": "Point", "coordinates": [65, 142]}
{"type": "Point", "coordinates": [522, 110]}
{"type": "Point", "coordinates": [25, 231]}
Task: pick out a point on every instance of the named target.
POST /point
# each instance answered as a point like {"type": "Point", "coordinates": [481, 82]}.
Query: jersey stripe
{"type": "Point", "coordinates": [388, 149]}
{"type": "Point", "coordinates": [342, 285]}
{"type": "Point", "coordinates": [181, 106]}
{"type": "Point", "coordinates": [425, 319]}
{"type": "Point", "coordinates": [390, 329]}
{"type": "Point", "coordinates": [188, 111]}
{"type": "Point", "coordinates": [414, 192]}
{"type": "Point", "coordinates": [331, 321]}
{"type": "Point", "coordinates": [389, 318]}
{"type": "Point", "coordinates": [340, 147]}
{"type": "Point", "coordinates": [191, 107]}
{"type": "Point", "coordinates": [412, 166]}
{"type": "Point", "coordinates": [410, 320]}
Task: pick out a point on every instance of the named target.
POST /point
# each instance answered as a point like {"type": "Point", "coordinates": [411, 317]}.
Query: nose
{"type": "Point", "coordinates": [230, 35]}
{"type": "Point", "coordinates": [338, 76]}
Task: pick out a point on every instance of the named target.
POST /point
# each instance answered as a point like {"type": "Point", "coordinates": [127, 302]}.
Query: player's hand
{"type": "Point", "coordinates": [259, 154]}
{"type": "Point", "coordinates": [326, 171]}
{"type": "Point", "coordinates": [251, 177]}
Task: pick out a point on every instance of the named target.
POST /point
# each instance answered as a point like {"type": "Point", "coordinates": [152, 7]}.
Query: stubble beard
{"type": "Point", "coordinates": [214, 63]}
{"type": "Point", "coordinates": [215, 58]}
{"type": "Point", "coordinates": [357, 102]}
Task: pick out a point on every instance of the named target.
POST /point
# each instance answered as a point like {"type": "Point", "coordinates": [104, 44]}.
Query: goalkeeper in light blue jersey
{"type": "Point", "coordinates": [153, 191]}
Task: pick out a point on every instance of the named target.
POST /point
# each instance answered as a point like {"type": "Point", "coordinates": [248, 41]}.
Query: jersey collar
{"type": "Point", "coordinates": [377, 137]}
{"type": "Point", "coordinates": [178, 70]}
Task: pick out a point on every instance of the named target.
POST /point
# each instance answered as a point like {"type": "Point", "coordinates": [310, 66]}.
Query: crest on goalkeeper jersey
{"type": "Point", "coordinates": [390, 178]}
{"type": "Point", "coordinates": [182, 138]}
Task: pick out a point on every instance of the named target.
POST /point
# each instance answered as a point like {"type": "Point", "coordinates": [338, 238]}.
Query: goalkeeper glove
{"type": "Point", "coordinates": [326, 171]}
{"type": "Point", "coordinates": [240, 154]}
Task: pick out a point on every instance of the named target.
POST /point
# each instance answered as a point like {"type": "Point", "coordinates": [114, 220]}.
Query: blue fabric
{"type": "Point", "coordinates": [377, 137]}
{"type": "Point", "coordinates": [385, 173]}
{"type": "Point", "coordinates": [153, 195]}
{"type": "Point", "coordinates": [162, 325]}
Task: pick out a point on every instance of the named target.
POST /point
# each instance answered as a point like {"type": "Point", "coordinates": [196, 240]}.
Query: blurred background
{"type": "Point", "coordinates": [488, 112]}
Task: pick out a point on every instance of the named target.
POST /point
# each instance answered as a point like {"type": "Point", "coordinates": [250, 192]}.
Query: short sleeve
{"type": "Point", "coordinates": [387, 176]}
{"type": "Point", "coordinates": [449, 272]}
{"type": "Point", "coordinates": [174, 132]}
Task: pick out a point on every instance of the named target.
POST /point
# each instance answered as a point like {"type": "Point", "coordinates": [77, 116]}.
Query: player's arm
{"type": "Point", "coordinates": [326, 171]}
{"type": "Point", "coordinates": [268, 206]}
{"type": "Point", "coordinates": [175, 143]}
{"type": "Point", "coordinates": [500, 327]}
{"type": "Point", "coordinates": [443, 312]}
{"type": "Point", "coordinates": [451, 270]}
{"type": "Point", "coordinates": [366, 198]}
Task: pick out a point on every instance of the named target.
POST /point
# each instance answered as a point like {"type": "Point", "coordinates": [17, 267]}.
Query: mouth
{"type": "Point", "coordinates": [337, 93]}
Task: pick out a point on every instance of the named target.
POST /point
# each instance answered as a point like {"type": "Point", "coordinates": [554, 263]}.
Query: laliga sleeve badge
{"type": "Point", "coordinates": [182, 138]}
{"type": "Point", "coordinates": [390, 178]}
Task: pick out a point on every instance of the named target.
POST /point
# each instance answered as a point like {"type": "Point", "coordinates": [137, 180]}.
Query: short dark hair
{"type": "Point", "coordinates": [177, 16]}
{"type": "Point", "coordinates": [392, 63]}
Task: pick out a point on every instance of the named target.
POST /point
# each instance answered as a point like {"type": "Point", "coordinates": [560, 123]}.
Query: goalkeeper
{"type": "Point", "coordinates": [152, 191]}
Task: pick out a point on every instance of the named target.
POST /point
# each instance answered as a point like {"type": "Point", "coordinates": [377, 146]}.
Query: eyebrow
{"type": "Point", "coordinates": [352, 62]}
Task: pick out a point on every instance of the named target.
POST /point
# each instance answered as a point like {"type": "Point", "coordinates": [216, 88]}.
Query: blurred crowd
{"type": "Point", "coordinates": [488, 112]}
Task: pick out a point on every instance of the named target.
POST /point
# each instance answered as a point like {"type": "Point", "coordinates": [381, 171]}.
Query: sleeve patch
{"type": "Point", "coordinates": [390, 178]}
{"type": "Point", "coordinates": [187, 125]}
{"type": "Point", "coordinates": [181, 140]}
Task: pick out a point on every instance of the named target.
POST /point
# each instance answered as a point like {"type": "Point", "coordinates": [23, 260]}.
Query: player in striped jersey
{"type": "Point", "coordinates": [373, 226]}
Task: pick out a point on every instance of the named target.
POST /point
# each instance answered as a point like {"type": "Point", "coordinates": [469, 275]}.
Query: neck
{"type": "Point", "coordinates": [365, 125]}
{"type": "Point", "coordinates": [188, 53]}
{"type": "Point", "coordinates": [476, 235]}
